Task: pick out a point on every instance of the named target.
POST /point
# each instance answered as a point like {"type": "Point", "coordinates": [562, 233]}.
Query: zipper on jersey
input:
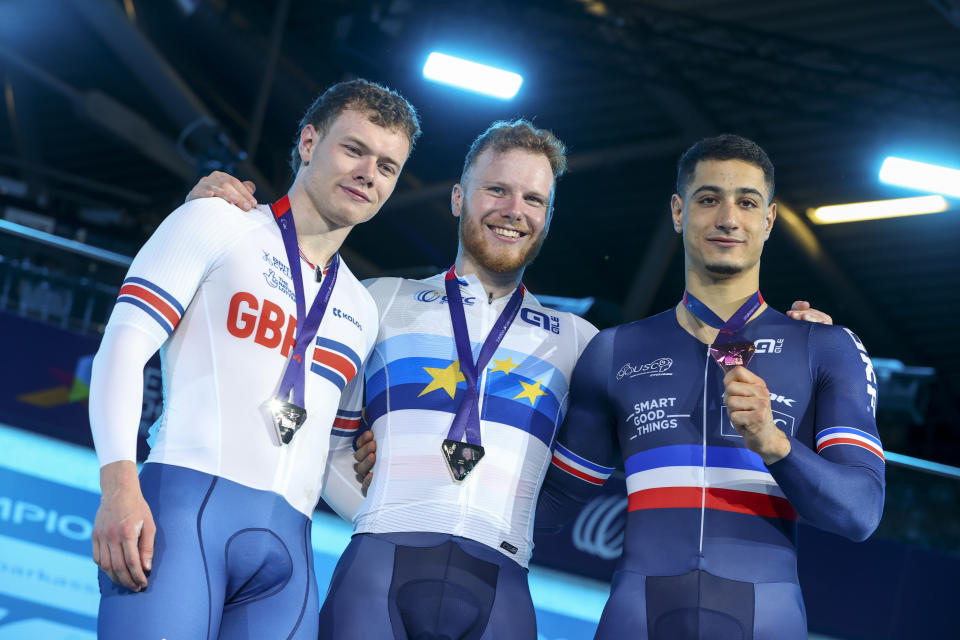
{"type": "Point", "coordinates": [703, 468]}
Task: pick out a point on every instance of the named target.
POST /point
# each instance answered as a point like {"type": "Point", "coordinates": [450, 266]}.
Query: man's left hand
{"type": "Point", "coordinates": [801, 310]}
{"type": "Point", "coordinates": [748, 405]}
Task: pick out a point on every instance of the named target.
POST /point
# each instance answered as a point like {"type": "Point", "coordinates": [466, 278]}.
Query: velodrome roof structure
{"type": "Point", "coordinates": [112, 108]}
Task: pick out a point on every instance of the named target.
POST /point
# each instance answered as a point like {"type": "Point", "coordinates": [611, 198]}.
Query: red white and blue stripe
{"type": "Point", "coordinates": [335, 361]}
{"type": "Point", "coordinates": [849, 436]}
{"type": "Point", "coordinates": [157, 303]}
{"type": "Point", "coordinates": [733, 479]}
{"type": "Point", "coordinates": [579, 467]}
{"type": "Point", "coordinates": [346, 424]}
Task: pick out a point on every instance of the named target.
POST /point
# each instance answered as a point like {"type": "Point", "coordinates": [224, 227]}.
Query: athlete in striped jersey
{"type": "Point", "coordinates": [720, 465]}
{"type": "Point", "coordinates": [257, 319]}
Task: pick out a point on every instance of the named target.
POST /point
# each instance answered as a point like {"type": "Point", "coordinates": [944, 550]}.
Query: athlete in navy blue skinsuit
{"type": "Point", "coordinates": [719, 466]}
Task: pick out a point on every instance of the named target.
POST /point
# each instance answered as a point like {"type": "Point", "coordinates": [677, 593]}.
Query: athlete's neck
{"type": "Point", "coordinates": [318, 239]}
{"type": "Point", "coordinates": [495, 284]}
{"type": "Point", "coordinates": [723, 294]}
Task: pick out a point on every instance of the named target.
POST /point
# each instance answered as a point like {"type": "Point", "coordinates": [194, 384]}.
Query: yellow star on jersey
{"type": "Point", "coordinates": [531, 392]}
{"type": "Point", "coordinates": [445, 379]}
{"type": "Point", "coordinates": [504, 365]}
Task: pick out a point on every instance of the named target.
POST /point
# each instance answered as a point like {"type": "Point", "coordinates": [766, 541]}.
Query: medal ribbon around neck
{"type": "Point", "coordinates": [731, 326]}
{"type": "Point", "coordinates": [294, 376]}
{"type": "Point", "coordinates": [725, 350]}
{"type": "Point", "coordinates": [467, 419]}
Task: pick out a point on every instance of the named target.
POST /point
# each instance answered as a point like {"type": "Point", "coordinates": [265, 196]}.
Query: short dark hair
{"type": "Point", "coordinates": [387, 109]}
{"type": "Point", "coordinates": [518, 134]}
{"type": "Point", "coordinates": [727, 146]}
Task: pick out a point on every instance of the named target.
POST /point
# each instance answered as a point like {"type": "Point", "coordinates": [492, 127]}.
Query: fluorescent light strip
{"type": "Point", "coordinates": [859, 211]}
{"type": "Point", "coordinates": [921, 176]}
{"type": "Point", "coordinates": [472, 76]}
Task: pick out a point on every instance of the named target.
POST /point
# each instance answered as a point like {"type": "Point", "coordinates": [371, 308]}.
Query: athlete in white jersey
{"type": "Point", "coordinates": [414, 388]}
{"type": "Point", "coordinates": [212, 289]}
{"type": "Point", "coordinates": [235, 303]}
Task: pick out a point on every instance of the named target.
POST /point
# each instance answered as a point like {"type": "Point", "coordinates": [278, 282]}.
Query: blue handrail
{"type": "Point", "coordinates": [64, 243]}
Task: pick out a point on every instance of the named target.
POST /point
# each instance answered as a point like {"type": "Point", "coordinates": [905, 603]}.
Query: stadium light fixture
{"type": "Point", "coordinates": [472, 76]}
{"type": "Point", "coordinates": [921, 176]}
{"type": "Point", "coordinates": [859, 211]}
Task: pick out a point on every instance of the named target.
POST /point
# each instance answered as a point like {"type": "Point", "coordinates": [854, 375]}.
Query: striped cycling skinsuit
{"type": "Point", "coordinates": [709, 549]}
{"type": "Point", "coordinates": [437, 558]}
{"type": "Point", "coordinates": [213, 291]}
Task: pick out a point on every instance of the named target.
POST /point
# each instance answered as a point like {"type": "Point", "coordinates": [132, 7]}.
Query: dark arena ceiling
{"type": "Point", "coordinates": [113, 107]}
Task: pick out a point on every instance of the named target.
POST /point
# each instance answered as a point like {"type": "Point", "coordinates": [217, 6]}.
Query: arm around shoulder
{"type": "Point", "coordinates": [838, 484]}
{"type": "Point", "coordinates": [586, 446]}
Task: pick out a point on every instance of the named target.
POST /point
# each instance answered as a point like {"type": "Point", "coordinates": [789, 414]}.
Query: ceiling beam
{"type": "Point", "coordinates": [112, 116]}
{"type": "Point", "coordinates": [950, 10]}
{"type": "Point", "coordinates": [172, 93]}
{"type": "Point", "coordinates": [112, 191]}
{"type": "Point", "coordinates": [266, 80]}
{"type": "Point", "coordinates": [17, 98]}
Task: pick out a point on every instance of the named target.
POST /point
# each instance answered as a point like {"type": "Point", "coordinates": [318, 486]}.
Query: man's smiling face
{"type": "Point", "coordinates": [504, 207]}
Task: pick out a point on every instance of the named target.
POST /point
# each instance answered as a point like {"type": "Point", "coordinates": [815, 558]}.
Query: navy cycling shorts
{"type": "Point", "coordinates": [426, 586]}
{"type": "Point", "coordinates": [229, 562]}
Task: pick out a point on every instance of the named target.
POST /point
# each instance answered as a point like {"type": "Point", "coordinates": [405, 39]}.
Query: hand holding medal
{"type": "Point", "coordinates": [745, 395]}
{"type": "Point", "coordinates": [747, 400]}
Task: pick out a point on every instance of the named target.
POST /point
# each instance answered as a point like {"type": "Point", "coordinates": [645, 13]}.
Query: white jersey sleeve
{"type": "Point", "coordinates": [341, 489]}
{"type": "Point", "coordinates": [585, 333]}
{"type": "Point", "coordinates": [161, 281]}
{"type": "Point", "coordinates": [116, 391]}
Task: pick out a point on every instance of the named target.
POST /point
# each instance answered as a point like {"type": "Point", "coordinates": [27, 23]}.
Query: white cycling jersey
{"type": "Point", "coordinates": [413, 389]}
{"type": "Point", "coordinates": [212, 289]}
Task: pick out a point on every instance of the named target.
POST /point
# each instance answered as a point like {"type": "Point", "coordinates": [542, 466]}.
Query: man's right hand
{"type": "Point", "coordinates": [123, 531]}
{"type": "Point", "coordinates": [224, 186]}
{"type": "Point", "coordinates": [366, 457]}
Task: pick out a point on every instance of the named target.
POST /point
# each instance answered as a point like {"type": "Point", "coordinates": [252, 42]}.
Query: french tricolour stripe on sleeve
{"type": "Point", "coordinates": [157, 303]}
{"type": "Point", "coordinates": [580, 467]}
{"type": "Point", "coordinates": [335, 361]}
{"type": "Point", "coordinates": [850, 436]}
{"type": "Point", "coordinates": [346, 423]}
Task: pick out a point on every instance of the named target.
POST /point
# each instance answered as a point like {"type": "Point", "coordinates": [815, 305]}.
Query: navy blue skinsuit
{"type": "Point", "coordinates": [710, 543]}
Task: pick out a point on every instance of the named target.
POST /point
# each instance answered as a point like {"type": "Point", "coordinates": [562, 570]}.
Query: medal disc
{"type": "Point", "coordinates": [461, 457]}
{"type": "Point", "coordinates": [287, 419]}
{"type": "Point", "coordinates": [732, 354]}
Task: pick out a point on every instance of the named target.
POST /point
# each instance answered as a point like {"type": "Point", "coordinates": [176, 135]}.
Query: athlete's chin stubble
{"type": "Point", "coordinates": [723, 269]}
{"type": "Point", "coordinates": [472, 238]}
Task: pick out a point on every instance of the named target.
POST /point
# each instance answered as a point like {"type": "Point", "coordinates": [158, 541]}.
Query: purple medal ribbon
{"type": "Point", "coordinates": [725, 351]}
{"type": "Point", "coordinates": [467, 418]}
{"type": "Point", "coordinates": [731, 326]}
{"type": "Point", "coordinates": [307, 323]}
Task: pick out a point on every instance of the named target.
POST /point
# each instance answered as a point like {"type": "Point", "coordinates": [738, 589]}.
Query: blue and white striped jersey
{"type": "Point", "coordinates": [413, 388]}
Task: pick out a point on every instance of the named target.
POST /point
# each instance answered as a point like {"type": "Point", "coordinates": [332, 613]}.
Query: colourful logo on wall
{"type": "Point", "coordinates": [72, 387]}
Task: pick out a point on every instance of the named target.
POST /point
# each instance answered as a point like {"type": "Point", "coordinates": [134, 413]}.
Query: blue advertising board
{"type": "Point", "coordinates": [48, 582]}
